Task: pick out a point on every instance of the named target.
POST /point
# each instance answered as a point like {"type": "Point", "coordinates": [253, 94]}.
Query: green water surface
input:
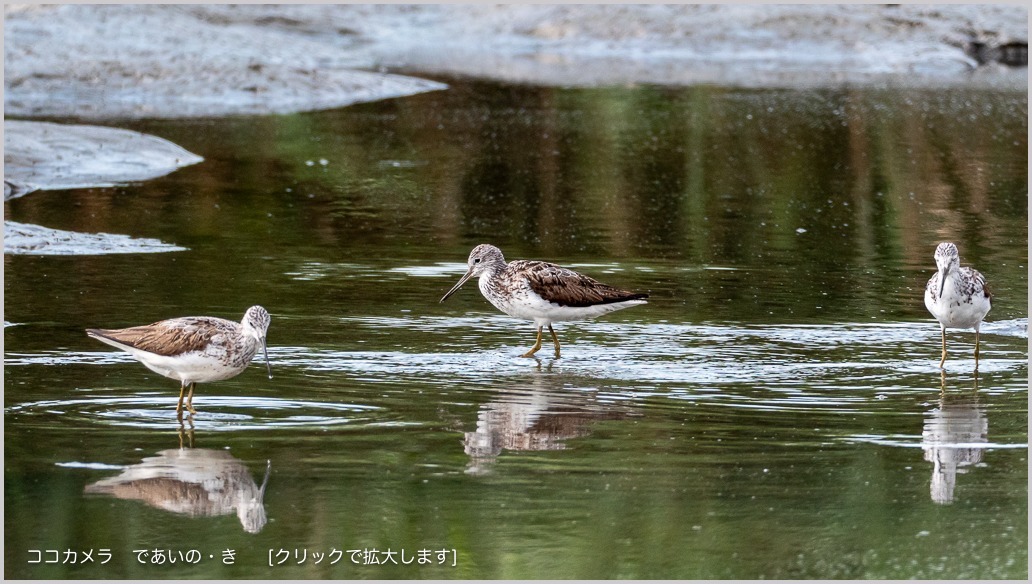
{"type": "Point", "coordinates": [774, 411]}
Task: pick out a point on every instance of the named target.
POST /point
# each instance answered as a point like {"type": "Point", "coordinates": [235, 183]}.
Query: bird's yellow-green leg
{"type": "Point", "coordinates": [976, 349]}
{"type": "Point", "coordinates": [189, 400]}
{"type": "Point", "coordinates": [179, 406]}
{"type": "Point", "coordinates": [536, 347]}
{"type": "Point", "coordinates": [943, 360]}
{"type": "Point", "coordinates": [555, 340]}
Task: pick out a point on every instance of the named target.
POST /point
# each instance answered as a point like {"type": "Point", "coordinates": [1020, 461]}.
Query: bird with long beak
{"type": "Point", "coordinates": [542, 292]}
{"type": "Point", "coordinates": [957, 297]}
{"type": "Point", "coordinates": [194, 349]}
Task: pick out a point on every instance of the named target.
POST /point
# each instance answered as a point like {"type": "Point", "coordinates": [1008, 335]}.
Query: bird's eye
{"type": "Point", "coordinates": [476, 261]}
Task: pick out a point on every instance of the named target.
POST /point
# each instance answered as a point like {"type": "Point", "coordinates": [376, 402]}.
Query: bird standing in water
{"type": "Point", "coordinates": [958, 297]}
{"type": "Point", "coordinates": [194, 349]}
{"type": "Point", "coordinates": [542, 292]}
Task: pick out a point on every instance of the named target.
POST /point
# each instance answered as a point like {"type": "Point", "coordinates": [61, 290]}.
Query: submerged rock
{"type": "Point", "coordinates": [45, 156]}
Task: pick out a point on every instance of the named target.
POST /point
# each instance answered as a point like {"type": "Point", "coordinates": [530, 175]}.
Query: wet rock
{"type": "Point", "coordinates": [46, 156]}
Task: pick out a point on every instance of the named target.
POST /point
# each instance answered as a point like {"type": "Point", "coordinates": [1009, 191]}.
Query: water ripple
{"type": "Point", "coordinates": [830, 356]}
{"type": "Point", "coordinates": [847, 367]}
{"type": "Point", "coordinates": [916, 441]}
{"type": "Point", "coordinates": [219, 412]}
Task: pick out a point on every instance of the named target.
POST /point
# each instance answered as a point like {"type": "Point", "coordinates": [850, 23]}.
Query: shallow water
{"type": "Point", "coordinates": [774, 411]}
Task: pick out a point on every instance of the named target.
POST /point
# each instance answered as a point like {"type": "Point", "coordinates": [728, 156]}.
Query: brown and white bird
{"type": "Point", "coordinates": [542, 292]}
{"type": "Point", "coordinates": [194, 349]}
{"type": "Point", "coordinates": [957, 297]}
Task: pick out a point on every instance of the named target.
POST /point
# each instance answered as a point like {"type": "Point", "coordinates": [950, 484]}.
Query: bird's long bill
{"type": "Point", "coordinates": [265, 350]}
{"type": "Point", "coordinates": [942, 280]}
{"type": "Point", "coordinates": [462, 281]}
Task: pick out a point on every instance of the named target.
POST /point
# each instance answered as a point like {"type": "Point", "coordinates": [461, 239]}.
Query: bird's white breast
{"type": "Point", "coordinates": [957, 308]}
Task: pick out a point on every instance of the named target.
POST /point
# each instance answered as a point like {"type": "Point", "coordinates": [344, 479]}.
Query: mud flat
{"type": "Point", "coordinates": [25, 239]}
{"type": "Point", "coordinates": [732, 45]}
{"type": "Point", "coordinates": [149, 61]}
{"type": "Point", "coordinates": [46, 156]}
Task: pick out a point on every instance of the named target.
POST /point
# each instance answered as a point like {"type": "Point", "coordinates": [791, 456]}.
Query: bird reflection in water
{"type": "Point", "coordinates": [954, 437]}
{"type": "Point", "coordinates": [196, 482]}
{"type": "Point", "coordinates": [541, 416]}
